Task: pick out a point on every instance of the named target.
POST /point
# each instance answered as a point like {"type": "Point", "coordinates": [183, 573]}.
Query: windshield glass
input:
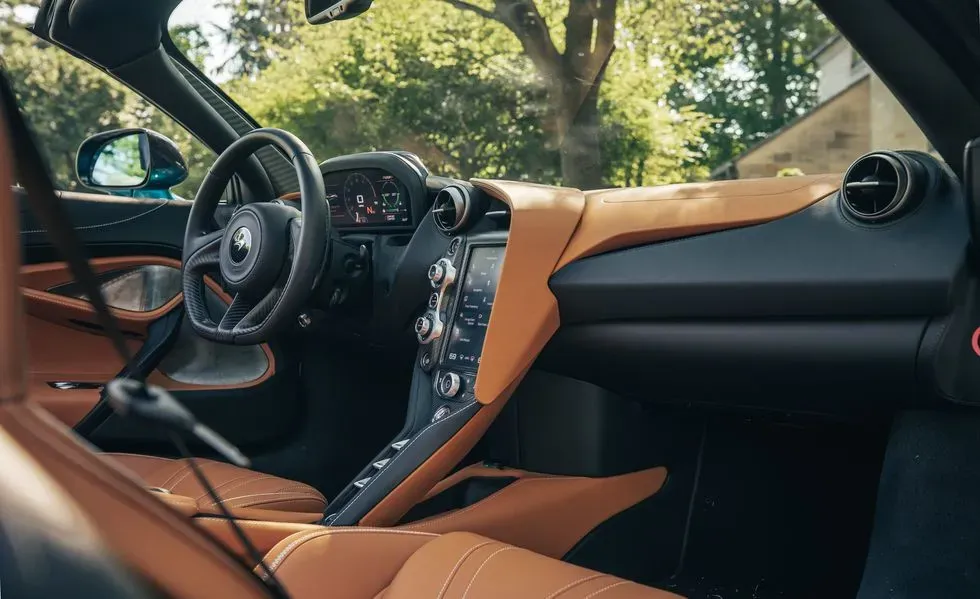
{"type": "Point", "coordinates": [585, 94]}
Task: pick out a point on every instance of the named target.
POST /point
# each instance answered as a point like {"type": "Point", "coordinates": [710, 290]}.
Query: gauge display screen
{"type": "Point", "coordinates": [476, 293]}
{"type": "Point", "coordinates": [369, 197]}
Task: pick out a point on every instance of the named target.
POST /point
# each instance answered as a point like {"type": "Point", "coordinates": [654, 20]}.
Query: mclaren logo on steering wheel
{"type": "Point", "coordinates": [241, 245]}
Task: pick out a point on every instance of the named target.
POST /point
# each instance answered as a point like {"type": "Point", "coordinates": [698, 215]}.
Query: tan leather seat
{"type": "Point", "coordinates": [248, 494]}
{"type": "Point", "coordinates": [359, 563]}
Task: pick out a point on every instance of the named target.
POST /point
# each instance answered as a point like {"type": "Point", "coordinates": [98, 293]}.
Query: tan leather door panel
{"type": "Point", "coordinates": [65, 343]}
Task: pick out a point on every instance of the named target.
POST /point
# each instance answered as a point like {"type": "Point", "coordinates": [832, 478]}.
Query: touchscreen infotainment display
{"type": "Point", "coordinates": [473, 307]}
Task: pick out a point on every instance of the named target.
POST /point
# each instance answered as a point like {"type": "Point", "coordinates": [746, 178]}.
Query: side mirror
{"type": "Point", "coordinates": [128, 159]}
{"type": "Point", "coordinates": [326, 11]}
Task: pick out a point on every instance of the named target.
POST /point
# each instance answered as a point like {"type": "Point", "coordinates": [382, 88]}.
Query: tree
{"type": "Point", "coordinates": [462, 91]}
{"type": "Point", "coordinates": [572, 76]}
{"type": "Point", "coordinates": [65, 100]}
{"type": "Point", "coordinates": [763, 81]}
{"type": "Point", "coordinates": [257, 33]}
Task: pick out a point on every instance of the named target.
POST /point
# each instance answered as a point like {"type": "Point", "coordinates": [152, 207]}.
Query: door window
{"type": "Point", "coordinates": [65, 100]}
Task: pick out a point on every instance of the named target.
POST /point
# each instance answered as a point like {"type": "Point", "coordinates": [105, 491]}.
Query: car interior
{"type": "Point", "coordinates": [722, 389]}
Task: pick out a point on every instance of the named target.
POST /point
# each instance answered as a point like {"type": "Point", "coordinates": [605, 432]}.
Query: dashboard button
{"type": "Point", "coordinates": [426, 361]}
{"type": "Point", "coordinates": [454, 245]}
{"type": "Point", "coordinates": [449, 384]}
{"type": "Point", "coordinates": [434, 301]}
{"type": "Point", "coordinates": [441, 413]}
{"type": "Point", "coordinates": [436, 272]}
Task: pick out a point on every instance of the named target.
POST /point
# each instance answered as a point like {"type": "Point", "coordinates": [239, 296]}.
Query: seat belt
{"type": "Point", "coordinates": [130, 396]}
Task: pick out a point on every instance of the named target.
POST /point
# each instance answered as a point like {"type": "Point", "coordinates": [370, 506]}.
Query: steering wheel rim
{"type": "Point", "coordinates": [269, 255]}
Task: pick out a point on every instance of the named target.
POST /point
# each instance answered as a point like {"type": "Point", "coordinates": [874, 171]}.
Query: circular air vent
{"type": "Point", "coordinates": [881, 185]}
{"type": "Point", "coordinates": [451, 209]}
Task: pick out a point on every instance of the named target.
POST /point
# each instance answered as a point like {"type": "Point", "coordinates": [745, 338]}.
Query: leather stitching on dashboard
{"type": "Point", "coordinates": [100, 225]}
{"type": "Point", "coordinates": [402, 452]}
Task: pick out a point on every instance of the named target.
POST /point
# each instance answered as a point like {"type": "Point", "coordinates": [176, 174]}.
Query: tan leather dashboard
{"type": "Point", "coordinates": [554, 226]}
{"type": "Point", "coordinates": [618, 218]}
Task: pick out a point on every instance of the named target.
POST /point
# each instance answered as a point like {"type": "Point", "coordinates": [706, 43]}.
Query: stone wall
{"type": "Point", "coordinates": [826, 140]}
{"type": "Point", "coordinates": [891, 126]}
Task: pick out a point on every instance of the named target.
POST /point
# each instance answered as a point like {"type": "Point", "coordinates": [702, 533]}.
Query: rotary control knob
{"type": "Point", "coordinates": [449, 271]}
{"type": "Point", "coordinates": [442, 273]}
{"type": "Point", "coordinates": [423, 325]}
{"type": "Point", "coordinates": [436, 272]}
{"type": "Point", "coordinates": [449, 384]}
{"type": "Point", "coordinates": [428, 328]}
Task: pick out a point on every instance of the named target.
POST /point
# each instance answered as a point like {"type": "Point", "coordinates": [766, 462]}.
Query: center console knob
{"type": "Point", "coordinates": [423, 325]}
{"type": "Point", "coordinates": [449, 384]}
{"type": "Point", "coordinates": [428, 327]}
{"type": "Point", "coordinates": [436, 272]}
{"type": "Point", "coordinates": [448, 271]}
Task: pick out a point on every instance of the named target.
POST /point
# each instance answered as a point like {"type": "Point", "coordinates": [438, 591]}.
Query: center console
{"type": "Point", "coordinates": [451, 335]}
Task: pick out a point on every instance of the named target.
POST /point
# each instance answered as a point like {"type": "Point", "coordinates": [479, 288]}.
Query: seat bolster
{"type": "Point", "coordinates": [342, 562]}
{"type": "Point", "coordinates": [458, 565]}
{"type": "Point", "coordinates": [247, 493]}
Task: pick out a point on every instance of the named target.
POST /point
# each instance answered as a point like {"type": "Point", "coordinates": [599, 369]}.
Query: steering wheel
{"type": "Point", "coordinates": [269, 255]}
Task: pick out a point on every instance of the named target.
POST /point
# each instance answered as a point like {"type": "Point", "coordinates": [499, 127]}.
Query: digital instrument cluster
{"type": "Point", "coordinates": [368, 197]}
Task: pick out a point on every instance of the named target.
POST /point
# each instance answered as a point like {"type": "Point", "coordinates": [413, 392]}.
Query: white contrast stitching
{"type": "Point", "coordinates": [336, 531]}
{"type": "Point", "coordinates": [100, 225]}
{"type": "Point", "coordinates": [242, 481]}
{"type": "Point", "coordinates": [452, 573]}
{"type": "Point", "coordinates": [400, 453]}
{"type": "Point", "coordinates": [485, 562]}
{"type": "Point", "coordinates": [573, 584]}
{"type": "Point", "coordinates": [605, 588]}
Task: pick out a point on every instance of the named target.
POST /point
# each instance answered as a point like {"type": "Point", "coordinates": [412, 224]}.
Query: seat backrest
{"type": "Point", "coordinates": [156, 543]}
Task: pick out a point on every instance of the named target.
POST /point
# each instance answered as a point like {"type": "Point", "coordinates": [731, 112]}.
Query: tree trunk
{"type": "Point", "coordinates": [776, 78]}
{"type": "Point", "coordinates": [581, 157]}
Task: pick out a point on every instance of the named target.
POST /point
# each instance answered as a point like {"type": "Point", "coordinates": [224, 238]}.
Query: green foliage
{"type": "Point", "coordinates": [761, 81]}
{"type": "Point", "coordinates": [66, 100]}
{"type": "Point", "coordinates": [460, 90]}
{"type": "Point", "coordinates": [580, 92]}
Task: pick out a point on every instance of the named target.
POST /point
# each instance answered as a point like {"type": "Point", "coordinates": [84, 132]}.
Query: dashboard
{"type": "Point", "coordinates": [368, 197]}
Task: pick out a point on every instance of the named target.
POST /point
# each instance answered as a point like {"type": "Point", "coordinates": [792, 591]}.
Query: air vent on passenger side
{"type": "Point", "coordinates": [451, 209]}
{"type": "Point", "coordinates": [881, 186]}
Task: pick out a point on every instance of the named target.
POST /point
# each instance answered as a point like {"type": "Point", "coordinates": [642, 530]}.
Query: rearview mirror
{"type": "Point", "coordinates": [326, 11]}
{"type": "Point", "coordinates": [126, 159]}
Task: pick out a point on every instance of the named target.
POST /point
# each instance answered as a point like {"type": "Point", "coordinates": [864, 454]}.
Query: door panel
{"type": "Point", "coordinates": [70, 358]}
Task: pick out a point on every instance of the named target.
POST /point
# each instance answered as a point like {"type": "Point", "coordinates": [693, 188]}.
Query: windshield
{"type": "Point", "coordinates": [589, 95]}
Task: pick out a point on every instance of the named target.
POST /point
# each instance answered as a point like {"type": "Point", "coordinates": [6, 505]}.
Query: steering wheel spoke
{"type": "Point", "coordinates": [204, 252]}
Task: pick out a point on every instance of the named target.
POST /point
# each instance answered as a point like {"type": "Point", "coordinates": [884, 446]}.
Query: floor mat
{"type": "Point", "coordinates": [779, 510]}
